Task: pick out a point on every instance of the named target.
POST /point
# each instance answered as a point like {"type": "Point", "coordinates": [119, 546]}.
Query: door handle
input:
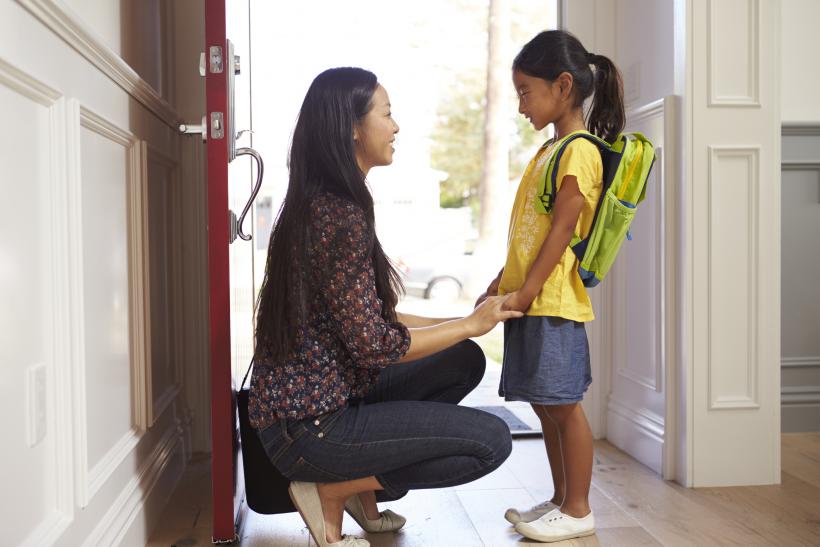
{"type": "Point", "coordinates": [236, 225]}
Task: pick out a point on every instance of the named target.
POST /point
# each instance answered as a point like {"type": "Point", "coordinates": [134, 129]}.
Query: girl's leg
{"type": "Point", "coordinates": [576, 443]}
{"type": "Point", "coordinates": [552, 441]}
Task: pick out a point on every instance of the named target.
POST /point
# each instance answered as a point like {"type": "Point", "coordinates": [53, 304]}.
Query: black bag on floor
{"type": "Point", "coordinates": [266, 489]}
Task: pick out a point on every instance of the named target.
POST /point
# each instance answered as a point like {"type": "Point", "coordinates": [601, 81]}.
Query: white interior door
{"type": "Point", "coordinates": [640, 322]}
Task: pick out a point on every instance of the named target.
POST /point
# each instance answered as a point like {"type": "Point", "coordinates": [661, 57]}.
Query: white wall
{"type": "Point", "coordinates": [800, 305]}
{"type": "Point", "coordinates": [801, 216]}
{"type": "Point", "coordinates": [799, 75]}
{"type": "Point", "coordinates": [95, 337]}
{"type": "Point", "coordinates": [638, 35]}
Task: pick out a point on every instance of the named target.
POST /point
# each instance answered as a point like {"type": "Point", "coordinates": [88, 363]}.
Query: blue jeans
{"type": "Point", "coordinates": [409, 432]}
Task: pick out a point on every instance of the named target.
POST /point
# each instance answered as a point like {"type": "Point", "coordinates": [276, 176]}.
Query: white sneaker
{"type": "Point", "coordinates": [556, 526]}
{"type": "Point", "coordinates": [514, 516]}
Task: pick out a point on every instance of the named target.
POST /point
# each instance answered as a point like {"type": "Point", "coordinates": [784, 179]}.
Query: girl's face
{"type": "Point", "coordinates": [375, 134]}
{"type": "Point", "coordinates": [540, 101]}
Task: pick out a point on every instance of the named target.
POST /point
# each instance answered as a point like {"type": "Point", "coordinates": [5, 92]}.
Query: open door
{"type": "Point", "coordinates": [232, 187]}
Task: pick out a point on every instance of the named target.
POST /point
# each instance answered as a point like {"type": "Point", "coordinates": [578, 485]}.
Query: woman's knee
{"type": "Point", "coordinates": [472, 362]}
{"type": "Point", "coordinates": [495, 434]}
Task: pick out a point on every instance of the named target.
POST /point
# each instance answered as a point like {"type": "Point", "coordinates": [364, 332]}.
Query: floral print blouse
{"type": "Point", "coordinates": [345, 342]}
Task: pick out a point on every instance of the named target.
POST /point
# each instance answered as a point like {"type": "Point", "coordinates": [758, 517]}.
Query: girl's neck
{"type": "Point", "coordinates": [570, 122]}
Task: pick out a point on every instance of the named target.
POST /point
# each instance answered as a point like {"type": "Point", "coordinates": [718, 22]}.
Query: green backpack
{"type": "Point", "coordinates": [626, 166]}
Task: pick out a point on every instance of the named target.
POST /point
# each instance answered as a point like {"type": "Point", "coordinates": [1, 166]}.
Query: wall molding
{"type": "Point", "coordinates": [649, 434]}
{"type": "Point", "coordinates": [638, 431]}
{"type": "Point", "coordinates": [752, 97]}
{"type": "Point", "coordinates": [752, 155]}
{"type": "Point", "coordinates": [102, 471]}
{"type": "Point", "coordinates": [800, 395]}
{"type": "Point", "coordinates": [800, 165]}
{"type": "Point", "coordinates": [158, 403]}
{"type": "Point", "coordinates": [648, 422]}
{"type": "Point", "coordinates": [114, 525]}
{"type": "Point", "coordinates": [59, 364]}
{"type": "Point", "coordinates": [194, 269]}
{"type": "Point", "coordinates": [26, 85]}
{"type": "Point", "coordinates": [58, 17]}
{"type": "Point", "coordinates": [800, 129]}
{"type": "Point", "coordinates": [655, 109]}
{"type": "Point", "coordinates": [800, 362]}
{"type": "Point", "coordinates": [90, 480]}
{"type": "Point", "coordinates": [653, 382]}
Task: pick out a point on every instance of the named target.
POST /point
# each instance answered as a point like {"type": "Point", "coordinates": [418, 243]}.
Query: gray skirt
{"type": "Point", "coordinates": [546, 361]}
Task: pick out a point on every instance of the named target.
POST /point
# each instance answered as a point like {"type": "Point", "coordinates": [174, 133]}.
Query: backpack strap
{"type": "Point", "coordinates": [547, 189]}
{"type": "Point", "coordinates": [610, 157]}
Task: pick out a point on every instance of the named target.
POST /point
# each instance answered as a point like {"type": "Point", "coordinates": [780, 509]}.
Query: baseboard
{"type": "Point", "coordinates": [126, 523]}
{"type": "Point", "coordinates": [800, 409]}
{"type": "Point", "coordinates": [800, 418]}
{"type": "Point", "coordinates": [640, 431]}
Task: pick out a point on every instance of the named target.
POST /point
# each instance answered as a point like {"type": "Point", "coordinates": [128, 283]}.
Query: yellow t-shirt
{"type": "Point", "coordinates": [563, 293]}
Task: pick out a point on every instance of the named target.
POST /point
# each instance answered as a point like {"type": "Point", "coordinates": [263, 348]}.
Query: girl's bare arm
{"type": "Point", "coordinates": [565, 214]}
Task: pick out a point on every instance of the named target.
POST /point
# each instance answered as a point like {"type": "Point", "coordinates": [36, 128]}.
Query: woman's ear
{"type": "Point", "coordinates": [355, 134]}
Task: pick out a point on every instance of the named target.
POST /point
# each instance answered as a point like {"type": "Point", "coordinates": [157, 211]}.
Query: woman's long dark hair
{"type": "Point", "coordinates": [555, 51]}
{"type": "Point", "coordinates": [322, 159]}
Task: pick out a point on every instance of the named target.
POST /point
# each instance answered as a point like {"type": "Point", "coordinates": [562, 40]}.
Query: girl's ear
{"type": "Point", "coordinates": [565, 82]}
{"type": "Point", "coordinates": [355, 133]}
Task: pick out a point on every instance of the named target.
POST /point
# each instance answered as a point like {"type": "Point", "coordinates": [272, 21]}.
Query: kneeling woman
{"type": "Point", "coordinates": [349, 397]}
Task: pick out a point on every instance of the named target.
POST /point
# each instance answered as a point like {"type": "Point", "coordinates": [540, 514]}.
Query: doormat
{"type": "Point", "coordinates": [513, 422]}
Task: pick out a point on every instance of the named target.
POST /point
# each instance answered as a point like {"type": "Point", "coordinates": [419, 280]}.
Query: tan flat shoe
{"type": "Point", "coordinates": [305, 497]}
{"type": "Point", "coordinates": [387, 522]}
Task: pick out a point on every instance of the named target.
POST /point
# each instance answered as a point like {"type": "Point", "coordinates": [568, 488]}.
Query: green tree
{"type": "Point", "coordinates": [458, 136]}
{"type": "Point", "coordinates": [457, 146]}
{"type": "Point", "coordinates": [457, 142]}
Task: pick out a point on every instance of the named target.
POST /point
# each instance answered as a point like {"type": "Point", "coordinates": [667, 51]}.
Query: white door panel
{"type": "Point", "coordinates": [639, 322]}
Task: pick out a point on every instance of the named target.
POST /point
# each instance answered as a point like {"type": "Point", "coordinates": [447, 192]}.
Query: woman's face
{"type": "Point", "coordinates": [375, 134]}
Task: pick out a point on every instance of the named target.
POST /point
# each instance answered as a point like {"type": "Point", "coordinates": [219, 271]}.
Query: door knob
{"type": "Point", "coordinates": [194, 129]}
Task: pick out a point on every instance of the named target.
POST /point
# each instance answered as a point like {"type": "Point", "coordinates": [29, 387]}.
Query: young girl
{"type": "Point", "coordinates": [546, 355]}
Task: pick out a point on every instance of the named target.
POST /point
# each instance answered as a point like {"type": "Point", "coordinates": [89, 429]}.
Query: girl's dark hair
{"type": "Point", "coordinates": [555, 51]}
{"type": "Point", "coordinates": [322, 159]}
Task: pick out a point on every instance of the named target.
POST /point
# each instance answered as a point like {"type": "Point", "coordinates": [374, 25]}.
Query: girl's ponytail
{"type": "Point", "coordinates": [606, 117]}
{"type": "Point", "coordinates": [555, 51]}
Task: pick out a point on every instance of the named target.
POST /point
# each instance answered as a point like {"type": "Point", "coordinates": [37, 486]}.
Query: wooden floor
{"type": "Point", "coordinates": [633, 507]}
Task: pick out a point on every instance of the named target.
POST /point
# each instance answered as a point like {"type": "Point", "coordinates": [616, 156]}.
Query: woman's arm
{"type": "Point", "coordinates": [349, 291]}
{"type": "Point", "coordinates": [568, 205]}
{"type": "Point", "coordinates": [425, 341]}
{"type": "Point", "coordinates": [416, 321]}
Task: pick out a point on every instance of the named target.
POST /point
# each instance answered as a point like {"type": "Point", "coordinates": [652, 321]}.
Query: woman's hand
{"type": "Point", "coordinates": [519, 300]}
{"type": "Point", "coordinates": [488, 314]}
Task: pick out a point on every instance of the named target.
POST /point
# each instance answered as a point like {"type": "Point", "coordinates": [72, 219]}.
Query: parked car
{"type": "Point", "coordinates": [435, 274]}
